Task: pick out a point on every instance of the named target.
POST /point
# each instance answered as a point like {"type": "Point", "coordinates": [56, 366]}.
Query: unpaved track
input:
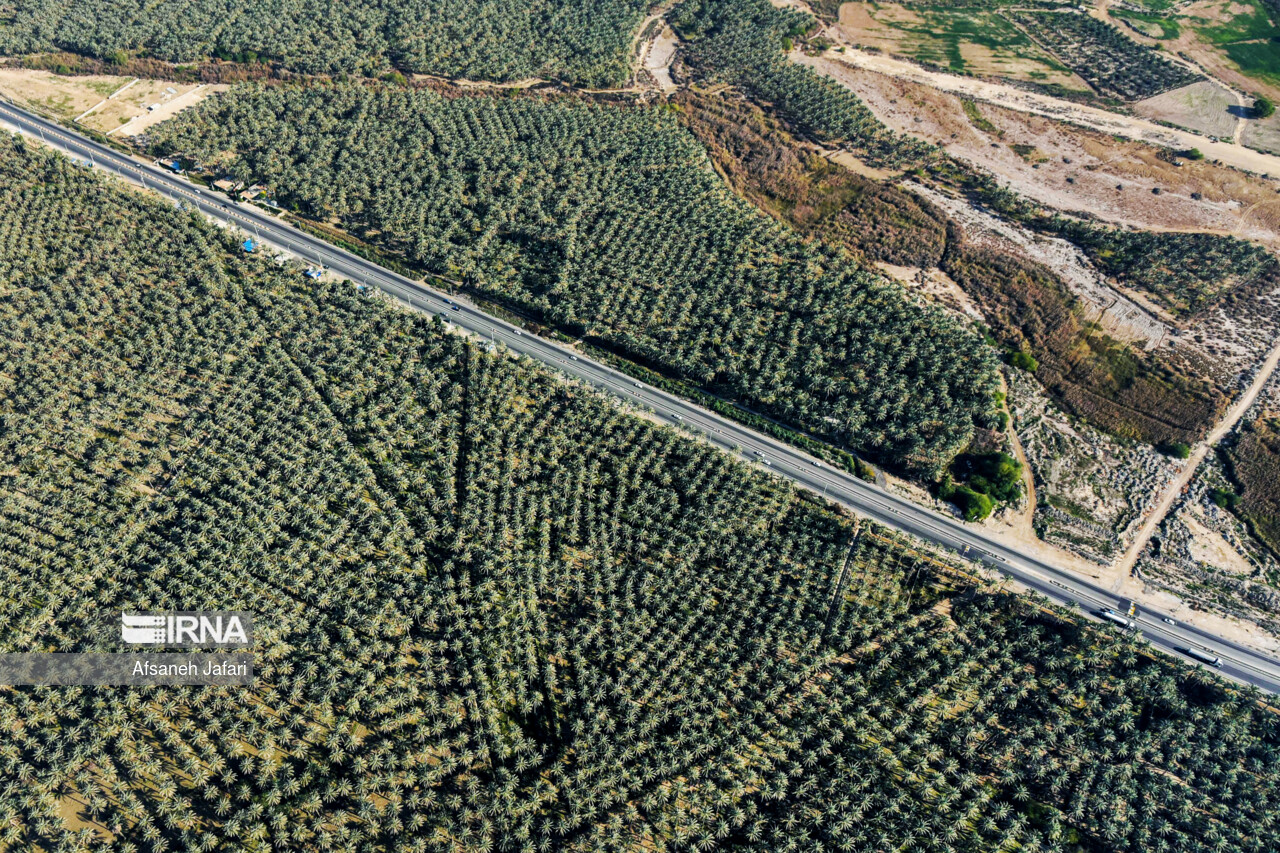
{"type": "Point", "coordinates": [1224, 427]}
{"type": "Point", "coordinates": [1014, 98]}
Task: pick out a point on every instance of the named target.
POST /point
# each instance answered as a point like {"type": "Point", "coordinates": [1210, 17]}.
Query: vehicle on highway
{"type": "Point", "coordinates": [676, 418]}
{"type": "Point", "coordinates": [1168, 621]}
{"type": "Point", "coordinates": [516, 332]}
{"type": "Point", "coordinates": [637, 384]}
{"type": "Point", "coordinates": [1112, 616]}
{"type": "Point", "coordinates": [455, 308]}
{"type": "Point", "coordinates": [1203, 656]}
{"type": "Point", "coordinates": [573, 358]}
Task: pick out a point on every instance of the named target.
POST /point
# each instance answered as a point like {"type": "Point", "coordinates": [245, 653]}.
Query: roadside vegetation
{"type": "Point", "coordinates": [1032, 312]}
{"type": "Point", "coordinates": [498, 613]}
{"type": "Point", "coordinates": [583, 41]}
{"type": "Point", "coordinates": [606, 223]}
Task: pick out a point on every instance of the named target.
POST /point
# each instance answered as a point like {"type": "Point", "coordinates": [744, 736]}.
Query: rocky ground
{"type": "Point", "coordinates": [1092, 489]}
{"type": "Point", "coordinates": [1205, 555]}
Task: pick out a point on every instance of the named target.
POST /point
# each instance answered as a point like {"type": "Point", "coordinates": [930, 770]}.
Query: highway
{"type": "Point", "coordinates": [1060, 585]}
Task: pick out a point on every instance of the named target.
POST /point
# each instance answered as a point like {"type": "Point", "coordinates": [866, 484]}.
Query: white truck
{"type": "Point", "coordinates": [1112, 616]}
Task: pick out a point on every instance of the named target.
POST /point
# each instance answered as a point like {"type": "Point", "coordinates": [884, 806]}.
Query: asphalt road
{"type": "Point", "coordinates": [1238, 662]}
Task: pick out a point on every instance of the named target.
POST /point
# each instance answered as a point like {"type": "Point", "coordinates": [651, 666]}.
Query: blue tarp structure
{"type": "Point", "coordinates": [248, 245]}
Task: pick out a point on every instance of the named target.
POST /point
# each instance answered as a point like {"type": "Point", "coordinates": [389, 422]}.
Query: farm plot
{"type": "Point", "coordinates": [607, 223]}
{"type": "Point", "coordinates": [1205, 107]}
{"type": "Point", "coordinates": [966, 40]}
{"type": "Point", "coordinates": [1113, 64]}
{"type": "Point", "coordinates": [503, 615]}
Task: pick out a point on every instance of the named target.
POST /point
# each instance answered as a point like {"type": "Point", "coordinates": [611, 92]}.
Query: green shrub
{"type": "Point", "coordinates": [973, 504]}
{"type": "Point", "coordinates": [1223, 498]}
{"type": "Point", "coordinates": [1024, 361]}
{"type": "Point", "coordinates": [1176, 449]}
{"type": "Point", "coordinates": [1263, 107]}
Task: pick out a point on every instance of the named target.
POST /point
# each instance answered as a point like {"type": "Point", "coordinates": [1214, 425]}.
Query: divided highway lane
{"type": "Point", "coordinates": [1239, 662]}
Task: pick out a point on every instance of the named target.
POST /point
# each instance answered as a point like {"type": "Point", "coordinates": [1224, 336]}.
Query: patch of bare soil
{"type": "Point", "coordinates": [113, 105]}
{"type": "Point", "coordinates": [658, 57]}
{"type": "Point", "coordinates": [172, 100]}
{"type": "Point", "coordinates": [1073, 168]}
{"type": "Point", "coordinates": [63, 96]}
{"type": "Point", "coordinates": [1205, 107]}
{"type": "Point", "coordinates": [937, 286]}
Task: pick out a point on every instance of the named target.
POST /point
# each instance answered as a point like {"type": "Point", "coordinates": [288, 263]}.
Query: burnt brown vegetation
{"type": "Point", "coordinates": [1128, 392]}
{"type": "Point", "coordinates": [1159, 398]}
{"type": "Point", "coordinates": [764, 162]}
{"type": "Point", "coordinates": [1255, 464]}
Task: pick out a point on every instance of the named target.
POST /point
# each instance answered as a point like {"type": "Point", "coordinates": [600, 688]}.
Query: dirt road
{"type": "Point", "coordinates": [1228, 423]}
{"type": "Point", "coordinates": [1014, 98]}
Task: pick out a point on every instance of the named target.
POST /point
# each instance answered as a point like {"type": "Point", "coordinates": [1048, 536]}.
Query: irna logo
{"type": "Point", "coordinates": [195, 629]}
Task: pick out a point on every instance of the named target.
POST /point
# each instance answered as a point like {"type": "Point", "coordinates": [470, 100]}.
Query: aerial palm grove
{"type": "Point", "coordinates": [624, 426]}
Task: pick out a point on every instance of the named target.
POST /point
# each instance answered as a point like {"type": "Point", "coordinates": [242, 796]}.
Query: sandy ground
{"type": "Point", "coordinates": [64, 97]}
{"type": "Point", "coordinates": [1125, 565]}
{"type": "Point", "coordinates": [1211, 547]}
{"type": "Point", "coordinates": [658, 56]}
{"type": "Point", "coordinates": [874, 25]}
{"type": "Point", "coordinates": [1074, 168]}
{"type": "Point", "coordinates": [1205, 107]}
{"type": "Point", "coordinates": [937, 285]}
{"type": "Point", "coordinates": [166, 109]}
{"type": "Point", "coordinates": [1037, 104]}
{"type": "Point", "coordinates": [105, 103]}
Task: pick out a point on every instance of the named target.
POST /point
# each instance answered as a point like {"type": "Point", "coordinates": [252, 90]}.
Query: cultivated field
{"type": "Point", "coordinates": [1110, 62]}
{"type": "Point", "coordinates": [974, 40]}
{"type": "Point", "coordinates": [497, 612]}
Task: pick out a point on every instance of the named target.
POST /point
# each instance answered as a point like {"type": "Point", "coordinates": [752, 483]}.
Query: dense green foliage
{"type": "Point", "coordinates": [996, 474]}
{"type": "Point", "coordinates": [1263, 107]}
{"type": "Point", "coordinates": [974, 505]}
{"type": "Point", "coordinates": [586, 41]}
{"type": "Point", "coordinates": [1024, 360]}
{"type": "Point", "coordinates": [497, 614]}
{"type": "Point", "coordinates": [1109, 61]}
{"type": "Point", "coordinates": [741, 42]}
{"type": "Point", "coordinates": [607, 222]}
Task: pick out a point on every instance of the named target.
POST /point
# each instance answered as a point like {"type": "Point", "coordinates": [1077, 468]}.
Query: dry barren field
{"type": "Point", "coordinates": [1074, 168]}
{"type": "Point", "coordinates": [113, 105]}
